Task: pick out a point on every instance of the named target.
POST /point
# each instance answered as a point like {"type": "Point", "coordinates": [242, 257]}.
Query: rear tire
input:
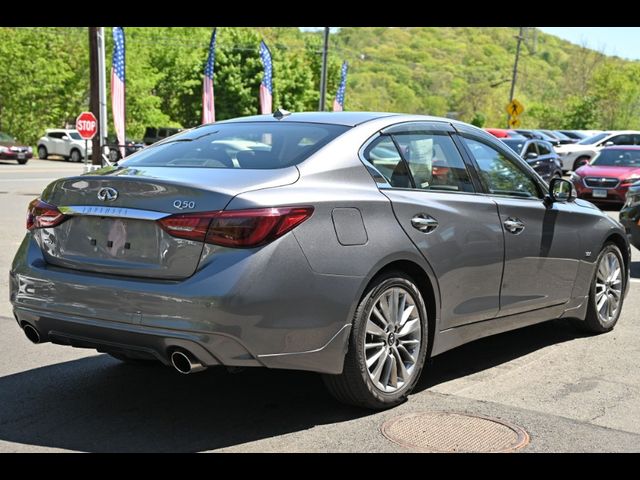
{"type": "Point", "coordinates": [392, 355]}
{"type": "Point", "coordinates": [42, 152]}
{"type": "Point", "coordinates": [606, 294]}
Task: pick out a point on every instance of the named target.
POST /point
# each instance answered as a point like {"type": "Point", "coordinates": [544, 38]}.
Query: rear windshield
{"type": "Point", "coordinates": [515, 145]}
{"type": "Point", "coordinates": [258, 145]}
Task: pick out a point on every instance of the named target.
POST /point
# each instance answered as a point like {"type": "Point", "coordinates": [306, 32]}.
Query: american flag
{"type": "Point", "coordinates": [266, 87]}
{"type": "Point", "coordinates": [338, 102]}
{"type": "Point", "coordinates": [208, 107]}
{"type": "Point", "coordinates": [118, 86]}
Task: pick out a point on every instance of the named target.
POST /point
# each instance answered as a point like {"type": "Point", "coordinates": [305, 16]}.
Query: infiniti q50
{"type": "Point", "coordinates": [356, 245]}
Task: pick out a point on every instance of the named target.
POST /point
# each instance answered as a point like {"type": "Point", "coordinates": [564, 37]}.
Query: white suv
{"type": "Point", "coordinates": [66, 143]}
{"type": "Point", "coordinates": [575, 155]}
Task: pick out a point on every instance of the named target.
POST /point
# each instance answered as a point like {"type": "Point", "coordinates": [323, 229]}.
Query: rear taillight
{"type": "Point", "coordinates": [41, 215]}
{"type": "Point", "coordinates": [236, 228]}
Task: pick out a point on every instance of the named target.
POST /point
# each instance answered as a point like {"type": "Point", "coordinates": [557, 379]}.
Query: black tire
{"type": "Point", "coordinates": [354, 385]}
{"type": "Point", "coordinates": [132, 361]}
{"type": "Point", "coordinates": [22, 161]}
{"type": "Point", "coordinates": [75, 156]}
{"type": "Point", "coordinates": [42, 152]}
{"type": "Point", "coordinates": [580, 161]}
{"type": "Point", "coordinates": [114, 155]}
{"type": "Point", "coordinates": [593, 323]}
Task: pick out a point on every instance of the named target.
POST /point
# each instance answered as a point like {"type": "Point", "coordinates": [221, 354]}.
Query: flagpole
{"type": "Point", "coordinates": [323, 75]}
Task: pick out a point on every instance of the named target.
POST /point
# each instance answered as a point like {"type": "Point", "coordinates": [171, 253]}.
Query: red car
{"type": "Point", "coordinates": [608, 176]}
{"type": "Point", "coordinates": [11, 150]}
{"type": "Point", "coordinates": [503, 133]}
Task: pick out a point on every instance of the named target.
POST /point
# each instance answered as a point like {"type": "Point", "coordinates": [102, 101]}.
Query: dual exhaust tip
{"type": "Point", "coordinates": [183, 362]}
{"type": "Point", "coordinates": [186, 363]}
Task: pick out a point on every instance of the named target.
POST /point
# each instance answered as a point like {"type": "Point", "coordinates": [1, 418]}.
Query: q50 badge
{"type": "Point", "coordinates": [184, 204]}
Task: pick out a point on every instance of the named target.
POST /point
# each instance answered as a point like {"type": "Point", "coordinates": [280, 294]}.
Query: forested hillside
{"type": "Point", "coordinates": [459, 72]}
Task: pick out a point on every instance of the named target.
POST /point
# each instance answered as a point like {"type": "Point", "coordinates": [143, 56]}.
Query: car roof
{"type": "Point", "coordinates": [350, 119]}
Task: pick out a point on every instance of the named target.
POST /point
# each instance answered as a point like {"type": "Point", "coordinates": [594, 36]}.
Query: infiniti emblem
{"type": "Point", "coordinates": [107, 194]}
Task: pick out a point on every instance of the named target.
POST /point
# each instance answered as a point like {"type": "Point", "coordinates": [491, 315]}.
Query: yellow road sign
{"type": "Point", "coordinates": [515, 108]}
{"type": "Point", "coordinates": [514, 122]}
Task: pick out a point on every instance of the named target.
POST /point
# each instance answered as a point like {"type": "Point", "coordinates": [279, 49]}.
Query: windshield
{"type": "Point", "coordinates": [593, 140]}
{"type": "Point", "coordinates": [75, 135]}
{"type": "Point", "coordinates": [515, 145]}
{"type": "Point", "coordinates": [617, 158]}
{"type": "Point", "coordinates": [5, 138]}
{"type": "Point", "coordinates": [251, 145]}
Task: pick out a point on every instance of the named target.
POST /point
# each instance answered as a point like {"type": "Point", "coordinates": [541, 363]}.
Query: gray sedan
{"type": "Point", "coordinates": [356, 245]}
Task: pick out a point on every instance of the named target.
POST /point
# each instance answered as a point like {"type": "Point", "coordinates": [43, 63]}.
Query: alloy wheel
{"type": "Point", "coordinates": [608, 287]}
{"type": "Point", "coordinates": [392, 339]}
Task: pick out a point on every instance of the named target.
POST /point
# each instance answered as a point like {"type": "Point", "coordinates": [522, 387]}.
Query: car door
{"type": "Point", "coordinates": [541, 242]}
{"type": "Point", "coordinates": [54, 143]}
{"type": "Point", "coordinates": [433, 197]}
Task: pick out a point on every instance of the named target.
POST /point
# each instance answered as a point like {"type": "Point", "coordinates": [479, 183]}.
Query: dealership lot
{"type": "Point", "coordinates": [569, 391]}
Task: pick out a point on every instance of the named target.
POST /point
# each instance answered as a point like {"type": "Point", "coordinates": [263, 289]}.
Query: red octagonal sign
{"type": "Point", "coordinates": [87, 125]}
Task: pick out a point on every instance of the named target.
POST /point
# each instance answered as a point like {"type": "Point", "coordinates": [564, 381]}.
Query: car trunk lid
{"type": "Point", "coordinates": [113, 216]}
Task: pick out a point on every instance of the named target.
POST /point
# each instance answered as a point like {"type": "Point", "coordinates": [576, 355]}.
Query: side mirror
{"type": "Point", "coordinates": [65, 137]}
{"type": "Point", "coordinates": [608, 144]}
{"type": "Point", "coordinates": [531, 156]}
{"type": "Point", "coordinates": [561, 190]}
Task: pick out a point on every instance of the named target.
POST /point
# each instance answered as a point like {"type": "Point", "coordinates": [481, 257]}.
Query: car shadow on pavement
{"type": "Point", "coordinates": [98, 404]}
{"type": "Point", "coordinates": [492, 351]}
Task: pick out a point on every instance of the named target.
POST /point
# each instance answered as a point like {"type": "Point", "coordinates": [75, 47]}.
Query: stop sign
{"type": "Point", "coordinates": [87, 125]}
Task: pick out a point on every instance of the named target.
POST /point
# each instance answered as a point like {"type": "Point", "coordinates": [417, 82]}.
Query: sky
{"type": "Point", "coordinates": [621, 41]}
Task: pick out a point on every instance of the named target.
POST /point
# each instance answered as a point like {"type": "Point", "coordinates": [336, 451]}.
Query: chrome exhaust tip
{"type": "Point", "coordinates": [31, 333]}
{"type": "Point", "coordinates": [185, 363]}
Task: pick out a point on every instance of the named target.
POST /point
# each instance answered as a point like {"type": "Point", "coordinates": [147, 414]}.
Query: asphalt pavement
{"type": "Point", "coordinates": [571, 392]}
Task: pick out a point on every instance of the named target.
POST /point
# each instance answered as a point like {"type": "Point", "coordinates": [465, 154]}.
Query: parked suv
{"type": "Point", "coordinates": [64, 142]}
{"type": "Point", "coordinates": [153, 134]}
{"type": "Point", "coordinates": [539, 154]}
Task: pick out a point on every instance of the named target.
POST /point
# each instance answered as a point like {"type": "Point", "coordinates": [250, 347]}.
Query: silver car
{"type": "Point", "coordinates": [356, 245]}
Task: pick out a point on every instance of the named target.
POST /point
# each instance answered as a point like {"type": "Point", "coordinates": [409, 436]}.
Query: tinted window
{"type": "Point", "coordinates": [434, 162]}
{"type": "Point", "coordinates": [54, 134]}
{"type": "Point", "coordinates": [531, 148]}
{"type": "Point", "coordinates": [617, 158]}
{"type": "Point", "coordinates": [501, 175]}
{"type": "Point", "coordinates": [544, 148]}
{"type": "Point", "coordinates": [259, 145]}
{"type": "Point", "coordinates": [383, 155]}
{"type": "Point", "coordinates": [621, 140]}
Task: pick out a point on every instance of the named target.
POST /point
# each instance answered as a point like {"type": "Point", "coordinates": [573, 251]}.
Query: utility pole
{"type": "Point", "coordinates": [94, 96]}
{"type": "Point", "coordinates": [515, 70]}
{"type": "Point", "coordinates": [323, 75]}
{"type": "Point", "coordinates": [102, 84]}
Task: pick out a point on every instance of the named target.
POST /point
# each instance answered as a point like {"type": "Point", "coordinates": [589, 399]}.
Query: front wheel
{"type": "Point", "coordinates": [75, 156]}
{"type": "Point", "coordinates": [387, 346]}
{"type": "Point", "coordinates": [606, 294]}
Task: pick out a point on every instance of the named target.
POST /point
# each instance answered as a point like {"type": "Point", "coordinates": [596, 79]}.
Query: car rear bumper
{"type": "Point", "coordinates": [243, 308]}
{"type": "Point", "coordinates": [15, 156]}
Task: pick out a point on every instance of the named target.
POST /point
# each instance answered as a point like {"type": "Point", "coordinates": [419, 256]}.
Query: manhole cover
{"type": "Point", "coordinates": [453, 432]}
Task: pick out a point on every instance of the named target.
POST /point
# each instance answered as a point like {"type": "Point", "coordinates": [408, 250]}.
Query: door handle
{"type": "Point", "coordinates": [513, 225]}
{"type": "Point", "coordinates": [425, 223]}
